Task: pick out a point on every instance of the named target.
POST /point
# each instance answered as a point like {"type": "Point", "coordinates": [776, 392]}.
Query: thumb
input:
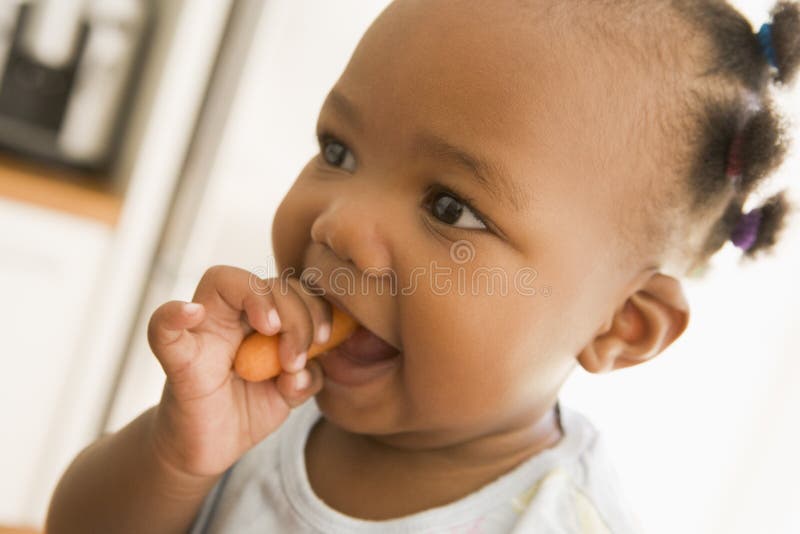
{"type": "Point", "coordinates": [167, 334]}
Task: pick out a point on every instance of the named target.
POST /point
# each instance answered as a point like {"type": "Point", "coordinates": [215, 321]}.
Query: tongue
{"type": "Point", "coordinates": [365, 347]}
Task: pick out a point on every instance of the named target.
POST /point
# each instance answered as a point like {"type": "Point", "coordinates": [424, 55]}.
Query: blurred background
{"type": "Point", "coordinates": [143, 141]}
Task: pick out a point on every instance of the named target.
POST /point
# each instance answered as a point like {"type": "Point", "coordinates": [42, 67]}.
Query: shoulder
{"type": "Point", "coordinates": [582, 493]}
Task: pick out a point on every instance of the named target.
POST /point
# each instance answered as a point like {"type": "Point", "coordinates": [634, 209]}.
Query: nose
{"type": "Point", "coordinates": [351, 226]}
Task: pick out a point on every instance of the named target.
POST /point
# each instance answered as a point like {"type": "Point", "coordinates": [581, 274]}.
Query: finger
{"type": "Point", "coordinates": [319, 308]}
{"type": "Point", "coordinates": [297, 329]}
{"type": "Point", "coordinates": [296, 388]}
{"type": "Point", "coordinates": [317, 377]}
{"type": "Point", "coordinates": [226, 291]}
{"type": "Point", "coordinates": [262, 313]}
{"type": "Point", "coordinates": [167, 334]}
{"type": "Point", "coordinates": [291, 386]}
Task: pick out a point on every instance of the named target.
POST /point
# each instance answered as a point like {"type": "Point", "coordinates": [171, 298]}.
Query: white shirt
{"type": "Point", "coordinates": [568, 489]}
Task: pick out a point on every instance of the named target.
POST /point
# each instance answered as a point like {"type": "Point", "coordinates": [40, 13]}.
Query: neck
{"type": "Point", "coordinates": [390, 481]}
{"type": "Point", "coordinates": [516, 441]}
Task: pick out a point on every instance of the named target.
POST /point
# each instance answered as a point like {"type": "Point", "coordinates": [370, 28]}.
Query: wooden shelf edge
{"type": "Point", "coordinates": [19, 530]}
{"type": "Point", "coordinates": [59, 190]}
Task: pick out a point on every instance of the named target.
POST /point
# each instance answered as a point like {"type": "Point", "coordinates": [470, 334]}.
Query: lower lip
{"type": "Point", "coordinates": [341, 369]}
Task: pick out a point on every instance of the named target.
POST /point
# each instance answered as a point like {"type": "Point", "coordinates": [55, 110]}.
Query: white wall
{"type": "Point", "coordinates": [703, 436]}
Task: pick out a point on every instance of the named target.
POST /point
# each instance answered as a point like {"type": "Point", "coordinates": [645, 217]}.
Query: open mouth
{"type": "Point", "coordinates": [363, 344]}
{"type": "Point", "coordinates": [364, 347]}
{"type": "Point", "coordinates": [361, 358]}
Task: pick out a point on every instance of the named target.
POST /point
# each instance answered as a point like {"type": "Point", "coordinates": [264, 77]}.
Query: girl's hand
{"type": "Point", "coordinates": [208, 416]}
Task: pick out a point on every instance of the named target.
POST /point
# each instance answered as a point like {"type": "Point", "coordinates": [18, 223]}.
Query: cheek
{"type": "Point", "coordinates": [469, 357]}
{"type": "Point", "coordinates": [291, 226]}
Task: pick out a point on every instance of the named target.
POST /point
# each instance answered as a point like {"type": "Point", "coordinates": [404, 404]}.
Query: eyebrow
{"type": "Point", "coordinates": [492, 177]}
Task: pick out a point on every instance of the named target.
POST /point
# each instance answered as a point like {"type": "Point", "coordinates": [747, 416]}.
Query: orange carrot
{"type": "Point", "coordinates": [257, 356]}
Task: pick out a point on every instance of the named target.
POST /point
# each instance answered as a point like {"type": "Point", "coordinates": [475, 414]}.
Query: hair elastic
{"type": "Point", "coordinates": [733, 171]}
{"type": "Point", "coordinates": [751, 103]}
{"type": "Point", "coordinates": [765, 38]}
{"type": "Point", "coordinates": [746, 232]}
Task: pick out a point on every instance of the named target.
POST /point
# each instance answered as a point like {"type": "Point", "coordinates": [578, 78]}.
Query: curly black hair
{"type": "Point", "coordinates": [739, 55]}
{"type": "Point", "coordinates": [707, 83]}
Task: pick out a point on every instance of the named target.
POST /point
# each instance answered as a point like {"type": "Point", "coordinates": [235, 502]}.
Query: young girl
{"type": "Point", "coordinates": [508, 189]}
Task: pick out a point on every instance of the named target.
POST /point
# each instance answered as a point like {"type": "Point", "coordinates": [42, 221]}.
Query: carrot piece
{"type": "Point", "coordinates": [257, 356]}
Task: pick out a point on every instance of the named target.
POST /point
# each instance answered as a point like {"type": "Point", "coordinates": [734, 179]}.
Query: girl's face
{"type": "Point", "coordinates": [464, 171]}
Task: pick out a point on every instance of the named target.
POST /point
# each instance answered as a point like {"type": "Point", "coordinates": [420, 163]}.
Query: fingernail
{"type": "Point", "coordinates": [300, 361]}
{"type": "Point", "coordinates": [273, 319]}
{"type": "Point", "coordinates": [323, 334]}
{"type": "Point", "coordinates": [302, 380]}
{"type": "Point", "coordinates": [191, 308]}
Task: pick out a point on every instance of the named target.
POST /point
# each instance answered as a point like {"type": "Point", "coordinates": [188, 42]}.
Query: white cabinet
{"type": "Point", "coordinates": [49, 262]}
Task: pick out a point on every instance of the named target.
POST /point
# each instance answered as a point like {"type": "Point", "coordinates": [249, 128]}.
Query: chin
{"type": "Point", "coordinates": [359, 414]}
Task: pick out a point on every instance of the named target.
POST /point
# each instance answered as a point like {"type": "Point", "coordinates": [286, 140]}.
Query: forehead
{"type": "Point", "coordinates": [480, 77]}
{"type": "Point", "coordinates": [431, 62]}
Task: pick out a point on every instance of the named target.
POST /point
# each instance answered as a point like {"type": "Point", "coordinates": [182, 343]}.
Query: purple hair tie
{"type": "Point", "coordinates": [746, 232]}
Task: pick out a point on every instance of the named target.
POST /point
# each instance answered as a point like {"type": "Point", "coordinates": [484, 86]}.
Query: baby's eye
{"type": "Point", "coordinates": [336, 154]}
{"type": "Point", "coordinates": [450, 210]}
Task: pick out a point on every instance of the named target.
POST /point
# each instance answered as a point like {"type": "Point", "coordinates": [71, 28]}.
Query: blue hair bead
{"type": "Point", "coordinates": [765, 38]}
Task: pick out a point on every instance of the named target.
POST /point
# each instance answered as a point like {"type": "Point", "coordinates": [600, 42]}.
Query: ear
{"type": "Point", "coordinates": [648, 322]}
